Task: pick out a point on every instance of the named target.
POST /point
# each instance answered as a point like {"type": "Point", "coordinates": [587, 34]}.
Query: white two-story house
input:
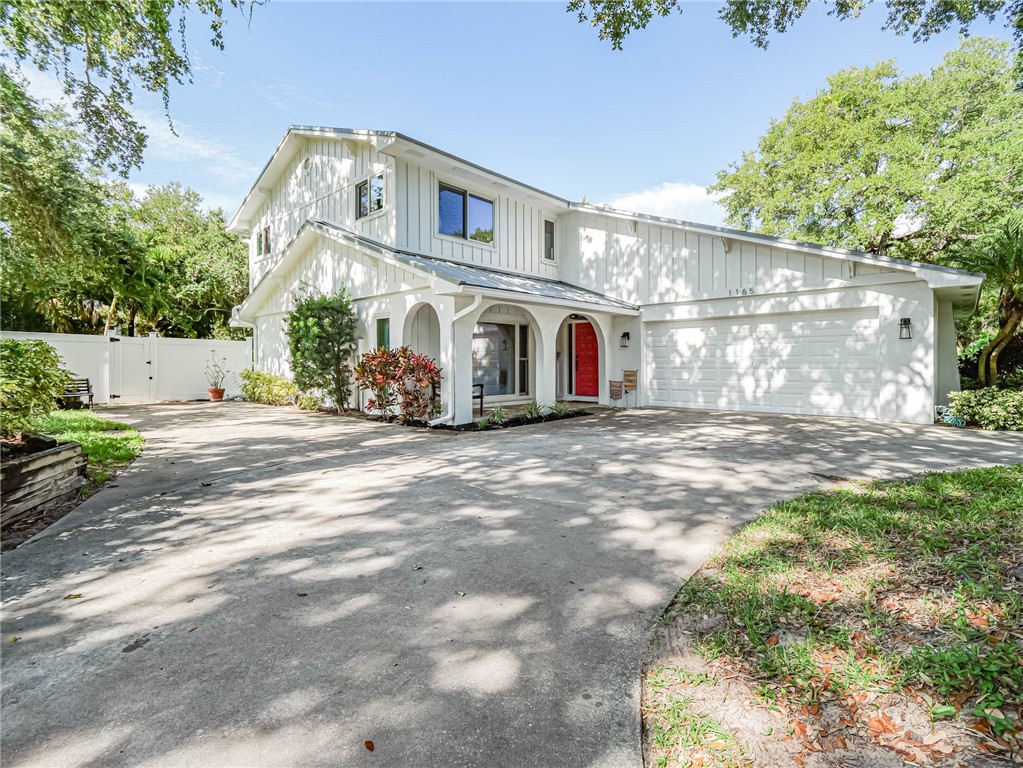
{"type": "Point", "coordinates": [539, 298]}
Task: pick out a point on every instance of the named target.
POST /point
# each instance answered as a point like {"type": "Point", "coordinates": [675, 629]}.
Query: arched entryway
{"type": "Point", "coordinates": [580, 358]}
{"type": "Point", "coordinates": [505, 345]}
{"type": "Point", "coordinates": [422, 331]}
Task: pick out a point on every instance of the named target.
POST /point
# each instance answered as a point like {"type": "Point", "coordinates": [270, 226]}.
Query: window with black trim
{"type": "Point", "coordinates": [369, 195]}
{"type": "Point", "coordinates": [463, 214]}
{"type": "Point", "coordinates": [548, 240]}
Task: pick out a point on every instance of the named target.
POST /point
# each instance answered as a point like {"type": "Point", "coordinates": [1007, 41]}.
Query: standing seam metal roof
{"type": "Point", "coordinates": [484, 277]}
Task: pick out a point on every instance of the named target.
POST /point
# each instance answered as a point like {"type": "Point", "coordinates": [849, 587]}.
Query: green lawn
{"type": "Point", "coordinates": [110, 445]}
{"type": "Point", "coordinates": [891, 589]}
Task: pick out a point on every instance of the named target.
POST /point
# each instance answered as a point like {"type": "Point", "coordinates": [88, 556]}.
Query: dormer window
{"type": "Point", "coordinates": [369, 196]}
{"type": "Point", "coordinates": [465, 215]}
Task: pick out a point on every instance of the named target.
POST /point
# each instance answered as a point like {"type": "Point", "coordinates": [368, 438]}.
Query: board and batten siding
{"type": "Point", "coordinates": [646, 263]}
{"type": "Point", "coordinates": [319, 184]}
{"type": "Point", "coordinates": [518, 224]}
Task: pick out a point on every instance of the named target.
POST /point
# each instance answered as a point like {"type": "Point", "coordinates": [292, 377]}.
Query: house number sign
{"type": "Point", "coordinates": [742, 291]}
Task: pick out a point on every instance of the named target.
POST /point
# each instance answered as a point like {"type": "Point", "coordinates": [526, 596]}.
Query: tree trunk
{"type": "Point", "coordinates": [999, 342]}
{"type": "Point", "coordinates": [110, 315]}
{"type": "Point", "coordinates": [131, 322]}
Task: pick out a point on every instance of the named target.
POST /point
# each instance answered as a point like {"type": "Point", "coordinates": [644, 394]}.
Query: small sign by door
{"type": "Point", "coordinates": [630, 380]}
{"type": "Point", "coordinates": [616, 389]}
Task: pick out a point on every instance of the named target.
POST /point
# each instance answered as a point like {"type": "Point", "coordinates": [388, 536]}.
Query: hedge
{"type": "Point", "coordinates": [267, 388]}
{"type": "Point", "coordinates": [990, 408]}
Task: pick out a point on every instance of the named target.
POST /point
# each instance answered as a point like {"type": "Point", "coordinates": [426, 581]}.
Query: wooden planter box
{"type": "Point", "coordinates": [33, 483]}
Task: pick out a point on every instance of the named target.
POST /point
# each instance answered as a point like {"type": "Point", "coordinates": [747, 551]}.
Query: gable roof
{"type": "Point", "coordinates": [388, 142]}
{"type": "Point", "coordinates": [477, 279]}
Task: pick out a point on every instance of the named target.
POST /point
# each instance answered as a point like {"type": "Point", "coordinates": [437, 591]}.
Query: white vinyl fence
{"type": "Point", "coordinates": [146, 369]}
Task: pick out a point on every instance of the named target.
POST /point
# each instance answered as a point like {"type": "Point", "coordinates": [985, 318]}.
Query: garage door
{"type": "Point", "coordinates": [822, 363]}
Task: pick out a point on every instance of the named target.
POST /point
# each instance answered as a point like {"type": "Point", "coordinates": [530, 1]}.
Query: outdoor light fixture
{"type": "Point", "coordinates": [625, 339]}
{"type": "Point", "coordinates": [905, 328]}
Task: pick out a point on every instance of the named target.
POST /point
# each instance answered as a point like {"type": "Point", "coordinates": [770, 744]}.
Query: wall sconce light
{"type": "Point", "coordinates": [905, 328]}
{"type": "Point", "coordinates": [625, 339]}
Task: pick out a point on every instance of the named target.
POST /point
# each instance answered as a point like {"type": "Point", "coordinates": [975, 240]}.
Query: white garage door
{"type": "Point", "coordinates": [822, 363]}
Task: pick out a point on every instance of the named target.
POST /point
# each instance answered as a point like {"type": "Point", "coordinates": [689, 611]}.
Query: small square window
{"type": "Point", "coordinates": [369, 195]}
{"type": "Point", "coordinates": [548, 240]}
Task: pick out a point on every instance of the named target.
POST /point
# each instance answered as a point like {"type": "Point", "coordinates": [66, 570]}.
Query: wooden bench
{"type": "Point", "coordinates": [80, 389]}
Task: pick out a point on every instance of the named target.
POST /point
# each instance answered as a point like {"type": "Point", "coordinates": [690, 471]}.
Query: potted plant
{"type": "Point", "coordinates": [216, 372]}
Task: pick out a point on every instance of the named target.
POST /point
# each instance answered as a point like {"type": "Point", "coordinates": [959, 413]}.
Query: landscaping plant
{"type": "Point", "coordinates": [399, 377]}
{"type": "Point", "coordinates": [31, 380]}
{"type": "Point", "coordinates": [989, 408]}
{"type": "Point", "coordinates": [258, 387]}
{"type": "Point", "coordinates": [416, 375]}
{"type": "Point", "coordinates": [377, 371]}
{"type": "Point", "coordinates": [321, 338]}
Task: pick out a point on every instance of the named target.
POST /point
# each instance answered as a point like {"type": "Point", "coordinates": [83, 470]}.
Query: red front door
{"type": "Point", "coordinates": [587, 362]}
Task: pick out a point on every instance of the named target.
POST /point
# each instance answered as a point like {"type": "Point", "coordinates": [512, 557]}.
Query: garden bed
{"type": "Point", "coordinates": [74, 438]}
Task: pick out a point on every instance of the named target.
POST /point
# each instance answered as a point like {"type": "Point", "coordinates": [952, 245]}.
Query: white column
{"type": "Point", "coordinates": [546, 352]}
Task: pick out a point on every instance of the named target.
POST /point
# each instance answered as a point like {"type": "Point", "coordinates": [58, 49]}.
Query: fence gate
{"type": "Point", "coordinates": [130, 369]}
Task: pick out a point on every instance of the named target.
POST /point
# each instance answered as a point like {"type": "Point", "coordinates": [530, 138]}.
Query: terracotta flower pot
{"type": "Point", "coordinates": [216, 394]}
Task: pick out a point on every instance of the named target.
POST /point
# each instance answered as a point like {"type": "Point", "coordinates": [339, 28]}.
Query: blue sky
{"type": "Point", "coordinates": [522, 88]}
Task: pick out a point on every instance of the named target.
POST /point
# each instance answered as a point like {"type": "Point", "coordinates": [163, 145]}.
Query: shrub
{"type": "Point", "coordinates": [267, 388]}
{"type": "Point", "coordinates": [1012, 380]}
{"type": "Point", "coordinates": [31, 380]}
{"type": "Point", "coordinates": [499, 415]}
{"type": "Point", "coordinates": [376, 372]}
{"type": "Point", "coordinates": [321, 339]}
{"type": "Point", "coordinates": [399, 377]}
{"type": "Point", "coordinates": [990, 408]}
{"type": "Point", "coordinates": [309, 401]}
{"type": "Point", "coordinates": [415, 377]}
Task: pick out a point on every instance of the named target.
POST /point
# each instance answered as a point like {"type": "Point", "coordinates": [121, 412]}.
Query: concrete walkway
{"type": "Point", "coordinates": [266, 587]}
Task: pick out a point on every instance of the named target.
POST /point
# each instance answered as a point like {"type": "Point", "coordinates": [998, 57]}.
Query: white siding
{"type": "Point", "coordinates": [646, 263]}
{"type": "Point", "coordinates": [518, 224]}
{"type": "Point", "coordinates": [320, 184]}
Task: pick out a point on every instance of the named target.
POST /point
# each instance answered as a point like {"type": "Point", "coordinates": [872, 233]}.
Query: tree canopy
{"type": "Point", "coordinates": [102, 53]}
{"type": "Point", "coordinates": [909, 166]}
{"type": "Point", "coordinates": [759, 19]}
{"type": "Point", "coordinates": [82, 254]}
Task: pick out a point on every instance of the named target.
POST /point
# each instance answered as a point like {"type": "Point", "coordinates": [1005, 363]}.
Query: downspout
{"type": "Point", "coordinates": [450, 414]}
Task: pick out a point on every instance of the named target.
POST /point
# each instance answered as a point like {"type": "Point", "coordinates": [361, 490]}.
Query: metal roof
{"type": "Point", "coordinates": [484, 277]}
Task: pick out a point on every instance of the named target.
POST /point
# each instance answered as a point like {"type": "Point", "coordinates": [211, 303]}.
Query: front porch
{"type": "Point", "coordinates": [520, 349]}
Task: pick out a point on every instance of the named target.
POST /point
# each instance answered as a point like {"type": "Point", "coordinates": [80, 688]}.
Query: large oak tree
{"type": "Point", "coordinates": [910, 166]}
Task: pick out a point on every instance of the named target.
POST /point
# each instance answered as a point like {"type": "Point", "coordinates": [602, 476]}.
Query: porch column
{"type": "Point", "coordinates": [446, 359]}
{"type": "Point", "coordinates": [546, 356]}
{"type": "Point", "coordinates": [459, 373]}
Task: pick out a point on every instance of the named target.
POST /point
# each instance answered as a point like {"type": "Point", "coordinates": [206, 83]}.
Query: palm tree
{"type": "Point", "coordinates": [1000, 256]}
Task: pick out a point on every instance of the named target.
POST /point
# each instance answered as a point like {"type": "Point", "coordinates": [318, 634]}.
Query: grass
{"type": "Point", "coordinates": [677, 728]}
{"type": "Point", "coordinates": [892, 589]}
{"type": "Point", "coordinates": [109, 444]}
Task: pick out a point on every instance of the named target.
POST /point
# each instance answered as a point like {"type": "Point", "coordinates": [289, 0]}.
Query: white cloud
{"type": "Point", "coordinates": [674, 200]}
{"type": "Point", "coordinates": [184, 146]}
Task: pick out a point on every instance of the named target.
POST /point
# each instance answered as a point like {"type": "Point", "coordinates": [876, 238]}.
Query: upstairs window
{"type": "Point", "coordinates": [369, 195]}
{"type": "Point", "coordinates": [465, 215]}
{"type": "Point", "coordinates": [263, 241]}
{"type": "Point", "coordinates": [548, 240]}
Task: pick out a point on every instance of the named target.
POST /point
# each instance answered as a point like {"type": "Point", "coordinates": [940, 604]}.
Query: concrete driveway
{"type": "Point", "coordinates": [266, 587]}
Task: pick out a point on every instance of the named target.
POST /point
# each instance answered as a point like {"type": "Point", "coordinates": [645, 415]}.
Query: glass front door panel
{"type": "Point", "coordinates": [493, 358]}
